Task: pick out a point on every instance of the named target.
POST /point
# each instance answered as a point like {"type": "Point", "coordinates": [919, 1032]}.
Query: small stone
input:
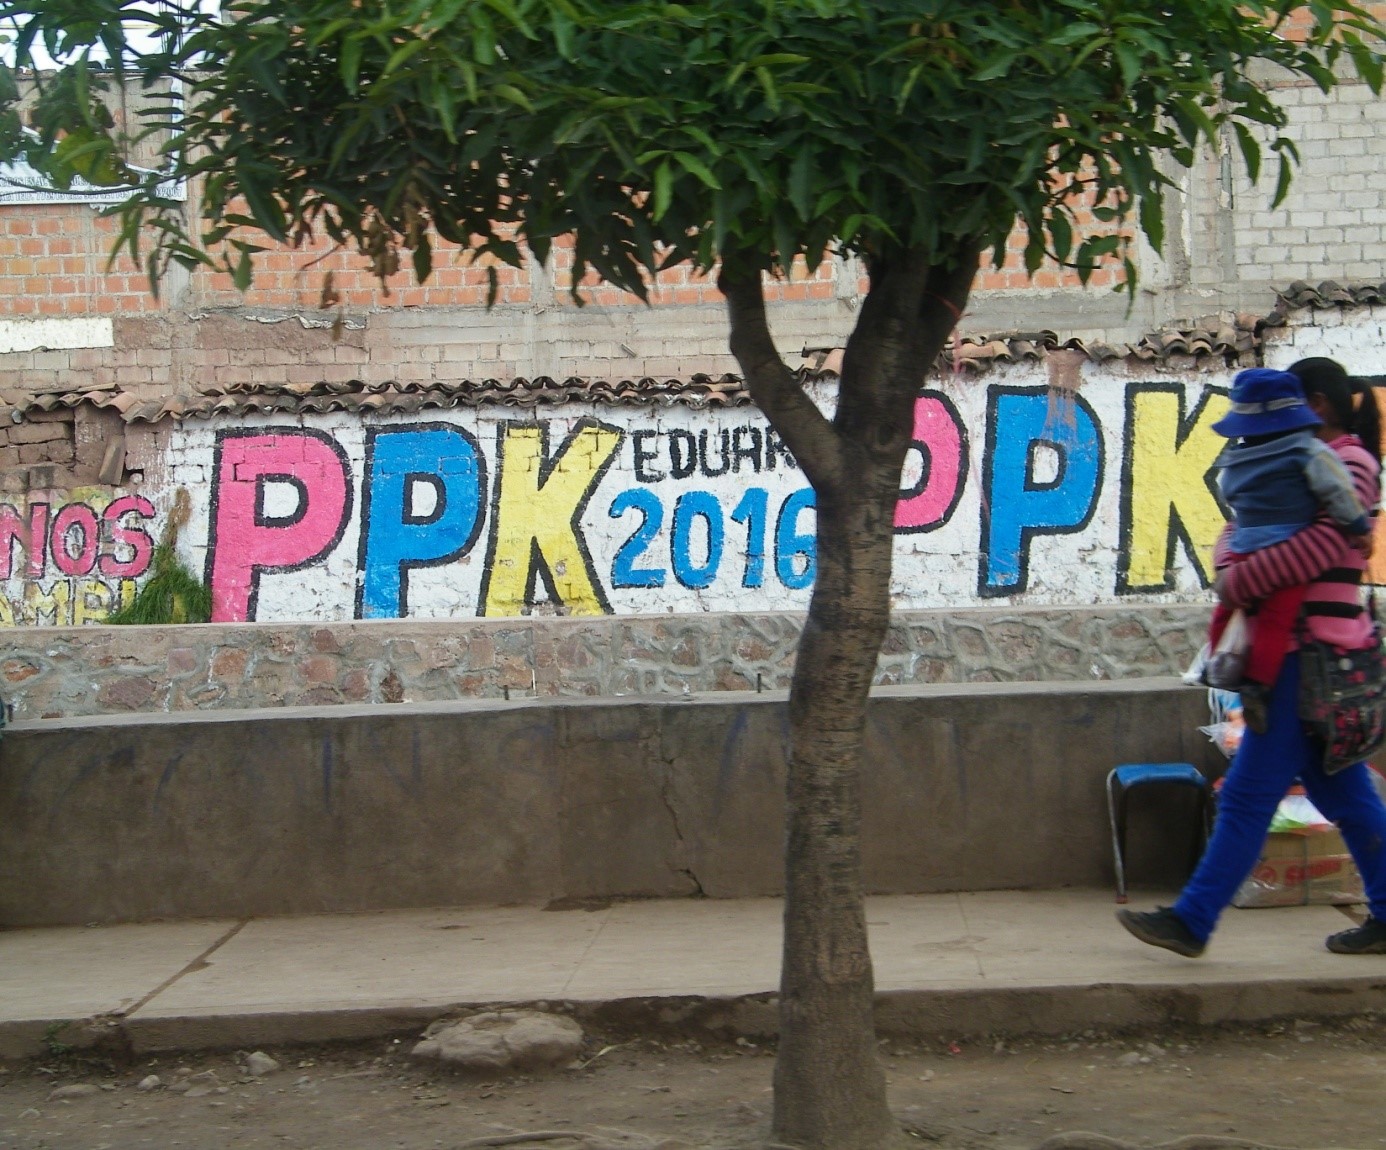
{"type": "Point", "coordinates": [260, 1063]}
{"type": "Point", "coordinates": [201, 1090]}
{"type": "Point", "coordinates": [149, 1082]}
{"type": "Point", "coordinates": [502, 1039]}
{"type": "Point", "coordinates": [74, 1090]}
{"type": "Point", "coordinates": [1130, 1058]}
{"type": "Point", "coordinates": [30, 1113]}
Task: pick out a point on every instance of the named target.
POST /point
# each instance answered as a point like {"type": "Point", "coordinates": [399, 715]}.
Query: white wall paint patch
{"type": "Point", "coordinates": [55, 334]}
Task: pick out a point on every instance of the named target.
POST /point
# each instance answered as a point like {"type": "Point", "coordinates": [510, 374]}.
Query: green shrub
{"type": "Point", "coordinates": [172, 593]}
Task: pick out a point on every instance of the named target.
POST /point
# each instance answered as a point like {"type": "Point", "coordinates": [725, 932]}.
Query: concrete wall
{"type": "Point", "coordinates": [358, 808]}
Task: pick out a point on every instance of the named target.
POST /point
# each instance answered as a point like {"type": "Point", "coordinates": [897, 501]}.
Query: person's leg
{"type": "Point", "coordinates": [1272, 627]}
{"type": "Point", "coordinates": [1350, 799]}
{"type": "Point", "coordinates": [1262, 771]}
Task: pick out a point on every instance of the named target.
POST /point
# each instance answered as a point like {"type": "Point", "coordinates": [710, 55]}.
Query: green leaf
{"type": "Point", "coordinates": [1075, 32]}
{"type": "Point", "coordinates": [242, 273]}
{"type": "Point", "coordinates": [350, 64]}
{"type": "Point", "coordinates": [663, 188]}
{"type": "Point", "coordinates": [767, 83]}
{"type": "Point", "coordinates": [801, 173]}
{"type": "Point", "coordinates": [997, 68]}
{"type": "Point", "coordinates": [1152, 215]}
{"type": "Point", "coordinates": [1061, 235]}
{"type": "Point", "coordinates": [698, 168]}
{"type": "Point", "coordinates": [423, 260]}
{"type": "Point", "coordinates": [1251, 150]}
{"type": "Point", "coordinates": [513, 95]}
{"type": "Point", "coordinates": [1283, 176]}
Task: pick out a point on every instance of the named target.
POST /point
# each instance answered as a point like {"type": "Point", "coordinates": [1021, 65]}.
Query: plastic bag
{"type": "Point", "coordinates": [1296, 813]}
{"type": "Point", "coordinates": [1228, 727]}
{"type": "Point", "coordinates": [1227, 664]}
{"type": "Point", "coordinates": [1194, 675]}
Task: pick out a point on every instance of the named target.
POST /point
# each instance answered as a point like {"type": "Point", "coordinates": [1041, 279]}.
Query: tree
{"type": "Point", "coordinates": [736, 136]}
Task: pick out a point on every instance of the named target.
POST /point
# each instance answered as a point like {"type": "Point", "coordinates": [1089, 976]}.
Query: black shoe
{"type": "Point", "coordinates": [1162, 927]}
{"type": "Point", "coordinates": [1369, 938]}
{"type": "Point", "coordinates": [1255, 706]}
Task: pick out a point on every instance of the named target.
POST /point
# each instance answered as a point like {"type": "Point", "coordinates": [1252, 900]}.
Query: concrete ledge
{"type": "Point", "coordinates": [348, 808]}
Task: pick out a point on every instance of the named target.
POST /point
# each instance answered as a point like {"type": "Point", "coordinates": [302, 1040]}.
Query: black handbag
{"type": "Point", "coordinates": [1342, 698]}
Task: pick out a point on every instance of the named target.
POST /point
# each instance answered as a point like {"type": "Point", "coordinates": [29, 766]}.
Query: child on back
{"type": "Point", "coordinates": [1276, 475]}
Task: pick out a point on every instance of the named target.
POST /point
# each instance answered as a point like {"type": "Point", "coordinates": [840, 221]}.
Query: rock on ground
{"type": "Point", "coordinates": [502, 1040]}
{"type": "Point", "coordinates": [259, 1064]}
{"type": "Point", "coordinates": [76, 1090]}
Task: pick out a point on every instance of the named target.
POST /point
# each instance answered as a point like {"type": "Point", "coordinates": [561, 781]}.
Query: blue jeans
{"type": "Point", "coordinates": [1263, 769]}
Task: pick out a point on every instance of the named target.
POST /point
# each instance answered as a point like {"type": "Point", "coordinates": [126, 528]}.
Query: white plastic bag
{"type": "Point", "coordinates": [1227, 664]}
{"type": "Point", "coordinates": [1194, 675]}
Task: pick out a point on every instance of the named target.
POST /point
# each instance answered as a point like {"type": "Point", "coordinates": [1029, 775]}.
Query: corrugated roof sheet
{"type": "Point", "coordinates": [1234, 339]}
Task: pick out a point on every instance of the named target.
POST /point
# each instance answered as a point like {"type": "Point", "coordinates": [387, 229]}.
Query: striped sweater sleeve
{"type": "Point", "coordinates": [1305, 555]}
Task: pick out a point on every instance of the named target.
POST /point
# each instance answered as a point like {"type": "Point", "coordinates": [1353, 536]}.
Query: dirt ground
{"type": "Point", "coordinates": [1300, 1084]}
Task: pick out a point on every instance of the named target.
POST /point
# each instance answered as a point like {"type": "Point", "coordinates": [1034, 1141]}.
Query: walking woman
{"type": "Point", "coordinates": [1268, 763]}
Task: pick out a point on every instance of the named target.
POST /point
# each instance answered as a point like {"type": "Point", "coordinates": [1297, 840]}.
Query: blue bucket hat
{"type": "Point", "coordinates": [1265, 401]}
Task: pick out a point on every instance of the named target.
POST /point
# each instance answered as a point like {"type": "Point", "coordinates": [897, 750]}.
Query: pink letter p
{"type": "Point", "coordinates": [248, 536]}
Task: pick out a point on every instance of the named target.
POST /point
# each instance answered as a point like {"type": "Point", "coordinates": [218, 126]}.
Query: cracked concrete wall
{"type": "Point", "coordinates": [983, 786]}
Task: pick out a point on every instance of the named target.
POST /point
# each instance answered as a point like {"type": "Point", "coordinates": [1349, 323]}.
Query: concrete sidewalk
{"type": "Point", "coordinates": [954, 964]}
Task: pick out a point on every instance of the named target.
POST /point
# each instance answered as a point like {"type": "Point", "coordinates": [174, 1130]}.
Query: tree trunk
{"type": "Point", "coordinates": [829, 1088]}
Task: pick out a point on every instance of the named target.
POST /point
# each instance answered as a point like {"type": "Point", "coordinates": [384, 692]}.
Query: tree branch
{"type": "Point", "coordinates": [782, 399]}
{"type": "Point", "coordinates": [945, 296]}
{"type": "Point", "coordinates": [915, 301]}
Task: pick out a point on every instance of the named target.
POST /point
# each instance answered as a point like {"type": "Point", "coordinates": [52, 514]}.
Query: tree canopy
{"type": "Point", "coordinates": [743, 131]}
{"type": "Point", "coordinates": [740, 135]}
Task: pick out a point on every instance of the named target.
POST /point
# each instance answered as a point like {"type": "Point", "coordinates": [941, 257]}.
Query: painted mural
{"type": "Point", "coordinates": [1013, 492]}
{"type": "Point", "coordinates": [73, 558]}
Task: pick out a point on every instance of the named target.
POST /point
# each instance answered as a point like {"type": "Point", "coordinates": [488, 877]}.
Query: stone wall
{"type": "Point", "coordinates": [75, 671]}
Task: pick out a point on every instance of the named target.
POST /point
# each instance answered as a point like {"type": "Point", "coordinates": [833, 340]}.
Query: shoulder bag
{"type": "Point", "coordinates": [1342, 697]}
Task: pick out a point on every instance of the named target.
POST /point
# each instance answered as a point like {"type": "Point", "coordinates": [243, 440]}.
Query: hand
{"type": "Point", "coordinates": [1364, 544]}
{"type": "Point", "coordinates": [1220, 589]}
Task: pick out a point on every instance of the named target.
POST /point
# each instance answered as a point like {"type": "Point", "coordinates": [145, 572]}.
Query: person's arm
{"type": "Point", "coordinates": [1332, 485]}
{"type": "Point", "coordinates": [1301, 558]}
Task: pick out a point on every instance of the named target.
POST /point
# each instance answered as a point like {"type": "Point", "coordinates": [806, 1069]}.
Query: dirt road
{"type": "Point", "coordinates": [1297, 1085]}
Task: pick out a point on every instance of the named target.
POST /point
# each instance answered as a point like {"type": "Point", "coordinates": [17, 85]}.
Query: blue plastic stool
{"type": "Point", "coordinates": [1123, 779]}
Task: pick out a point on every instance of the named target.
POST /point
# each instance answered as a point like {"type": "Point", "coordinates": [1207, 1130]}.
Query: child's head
{"type": "Point", "coordinates": [1265, 402]}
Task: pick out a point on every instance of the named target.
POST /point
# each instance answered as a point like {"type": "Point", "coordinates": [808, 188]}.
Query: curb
{"type": "Point", "coordinates": [998, 1012]}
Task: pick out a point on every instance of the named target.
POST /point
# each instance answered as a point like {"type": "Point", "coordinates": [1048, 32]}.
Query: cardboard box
{"type": "Point", "coordinates": [1300, 867]}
